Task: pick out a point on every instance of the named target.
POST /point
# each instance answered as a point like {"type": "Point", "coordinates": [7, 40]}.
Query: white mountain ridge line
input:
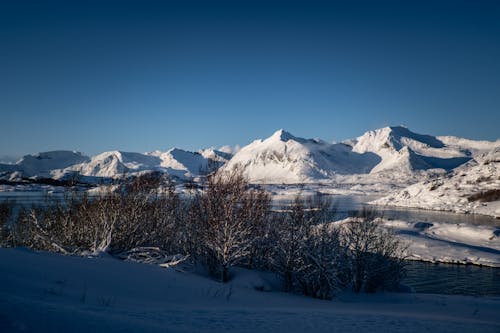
{"type": "Point", "coordinates": [390, 157]}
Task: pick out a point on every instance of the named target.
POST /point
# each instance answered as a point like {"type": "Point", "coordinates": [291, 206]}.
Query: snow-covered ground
{"type": "Point", "coordinates": [453, 192]}
{"type": "Point", "coordinates": [42, 292]}
{"type": "Point", "coordinates": [449, 242]}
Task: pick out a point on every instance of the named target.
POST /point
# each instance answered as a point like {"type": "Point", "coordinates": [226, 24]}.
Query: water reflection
{"type": "Point", "coordinates": [453, 279]}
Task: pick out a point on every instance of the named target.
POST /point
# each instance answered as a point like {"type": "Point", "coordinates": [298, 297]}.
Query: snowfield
{"type": "Point", "coordinates": [449, 242]}
{"type": "Point", "coordinates": [454, 192]}
{"type": "Point", "coordinates": [43, 292]}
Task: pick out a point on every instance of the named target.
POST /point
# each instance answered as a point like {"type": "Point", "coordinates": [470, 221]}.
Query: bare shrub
{"type": "Point", "coordinates": [228, 215]}
{"type": "Point", "coordinates": [290, 234]}
{"type": "Point", "coordinates": [376, 256]}
{"type": "Point", "coordinates": [485, 196]}
{"type": "Point", "coordinates": [6, 210]}
{"type": "Point", "coordinates": [135, 215]}
{"type": "Point", "coordinates": [148, 217]}
{"type": "Point", "coordinates": [324, 260]}
{"type": "Point", "coordinates": [72, 226]}
{"type": "Point", "coordinates": [308, 255]}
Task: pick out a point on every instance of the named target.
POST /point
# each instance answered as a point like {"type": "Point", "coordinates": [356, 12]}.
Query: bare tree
{"type": "Point", "coordinates": [322, 274]}
{"type": "Point", "coordinates": [296, 238]}
{"type": "Point", "coordinates": [376, 255]}
{"type": "Point", "coordinates": [229, 213]}
{"type": "Point", "coordinates": [135, 215]}
{"type": "Point", "coordinates": [149, 213]}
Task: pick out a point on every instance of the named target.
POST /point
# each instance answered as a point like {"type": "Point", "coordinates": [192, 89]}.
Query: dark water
{"type": "Point", "coordinates": [344, 206]}
{"type": "Point", "coordinates": [28, 198]}
{"type": "Point", "coordinates": [422, 277]}
{"type": "Point", "coordinates": [453, 279]}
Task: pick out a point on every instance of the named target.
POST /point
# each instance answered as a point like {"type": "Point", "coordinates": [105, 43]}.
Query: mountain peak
{"type": "Point", "coordinates": [283, 135]}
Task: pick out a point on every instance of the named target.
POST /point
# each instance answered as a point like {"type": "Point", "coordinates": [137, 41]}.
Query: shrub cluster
{"type": "Point", "coordinates": [226, 223]}
{"type": "Point", "coordinates": [5, 216]}
{"type": "Point", "coordinates": [485, 196]}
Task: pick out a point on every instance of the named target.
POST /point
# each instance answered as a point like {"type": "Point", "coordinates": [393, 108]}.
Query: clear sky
{"type": "Point", "coordinates": [147, 75]}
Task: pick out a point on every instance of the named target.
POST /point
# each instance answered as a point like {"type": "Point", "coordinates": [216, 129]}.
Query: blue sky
{"type": "Point", "coordinates": [146, 75]}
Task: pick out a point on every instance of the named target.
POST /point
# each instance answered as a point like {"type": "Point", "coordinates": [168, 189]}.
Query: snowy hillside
{"type": "Point", "coordinates": [112, 164]}
{"type": "Point", "coordinates": [284, 158]}
{"type": "Point", "coordinates": [472, 188]}
{"type": "Point", "coordinates": [219, 156]}
{"type": "Point", "coordinates": [42, 164]}
{"type": "Point", "coordinates": [115, 163]}
{"type": "Point", "coordinates": [176, 162]}
{"type": "Point", "coordinates": [402, 150]}
{"type": "Point", "coordinates": [475, 146]}
{"type": "Point", "coordinates": [181, 163]}
{"type": "Point", "coordinates": [43, 292]}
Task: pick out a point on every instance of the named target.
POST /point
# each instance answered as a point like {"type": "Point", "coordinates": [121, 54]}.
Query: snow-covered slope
{"type": "Point", "coordinates": [181, 163]}
{"type": "Point", "coordinates": [116, 163]}
{"type": "Point", "coordinates": [44, 292]}
{"type": "Point", "coordinates": [284, 158]}
{"type": "Point", "coordinates": [402, 150]}
{"type": "Point", "coordinates": [216, 155]}
{"type": "Point", "coordinates": [42, 164]}
{"type": "Point", "coordinates": [475, 146]}
{"type": "Point", "coordinates": [176, 162]}
{"type": "Point", "coordinates": [112, 164]}
{"type": "Point", "coordinates": [459, 191]}
{"type": "Point", "coordinates": [446, 242]}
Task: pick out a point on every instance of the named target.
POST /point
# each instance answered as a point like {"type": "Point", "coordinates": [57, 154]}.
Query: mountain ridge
{"type": "Point", "coordinates": [279, 158]}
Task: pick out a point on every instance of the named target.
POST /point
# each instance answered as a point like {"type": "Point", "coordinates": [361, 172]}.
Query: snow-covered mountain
{"type": "Point", "coordinates": [403, 150]}
{"type": "Point", "coordinates": [471, 188]}
{"type": "Point", "coordinates": [182, 163]}
{"type": "Point", "coordinates": [284, 158]}
{"type": "Point", "coordinates": [42, 164]}
{"type": "Point", "coordinates": [216, 155]}
{"type": "Point", "coordinates": [112, 164]}
{"type": "Point", "coordinates": [384, 154]}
